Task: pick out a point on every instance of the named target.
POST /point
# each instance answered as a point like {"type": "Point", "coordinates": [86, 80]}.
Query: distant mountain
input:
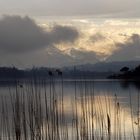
{"type": "Point", "coordinates": [105, 66]}
{"type": "Point", "coordinates": [14, 74]}
{"type": "Point", "coordinates": [91, 71]}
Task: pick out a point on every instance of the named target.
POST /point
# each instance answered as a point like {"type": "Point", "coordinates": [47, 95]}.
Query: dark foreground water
{"type": "Point", "coordinates": [70, 109]}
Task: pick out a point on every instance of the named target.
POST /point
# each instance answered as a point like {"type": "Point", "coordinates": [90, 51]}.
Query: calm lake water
{"type": "Point", "coordinates": [70, 109]}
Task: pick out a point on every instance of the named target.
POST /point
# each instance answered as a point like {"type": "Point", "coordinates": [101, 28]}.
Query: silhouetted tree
{"type": "Point", "coordinates": [50, 73]}
{"type": "Point", "coordinates": [124, 69]}
{"type": "Point", "coordinates": [137, 69]}
{"type": "Point", "coordinates": [59, 72]}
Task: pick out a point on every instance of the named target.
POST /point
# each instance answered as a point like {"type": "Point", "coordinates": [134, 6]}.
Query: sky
{"type": "Point", "coordinates": [57, 33]}
{"type": "Point", "coordinates": [112, 8]}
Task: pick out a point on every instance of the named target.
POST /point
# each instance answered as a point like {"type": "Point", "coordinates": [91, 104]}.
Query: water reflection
{"type": "Point", "coordinates": [74, 110]}
{"type": "Point", "coordinates": [128, 84]}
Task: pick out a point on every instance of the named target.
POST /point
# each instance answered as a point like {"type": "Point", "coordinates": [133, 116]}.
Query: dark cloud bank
{"type": "Point", "coordinates": [129, 50]}
{"type": "Point", "coordinates": [22, 34]}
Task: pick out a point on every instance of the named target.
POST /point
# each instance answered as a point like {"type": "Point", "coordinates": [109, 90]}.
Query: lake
{"type": "Point", "coordinates": [69, 109]}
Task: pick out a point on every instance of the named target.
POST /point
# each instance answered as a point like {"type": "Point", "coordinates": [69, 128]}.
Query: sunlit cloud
{"type": "Point", "coordinates": [102, 39]}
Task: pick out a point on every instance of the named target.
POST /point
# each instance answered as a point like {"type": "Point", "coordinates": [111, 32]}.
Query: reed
{"type": "Point", "coordinates": [36, 111]}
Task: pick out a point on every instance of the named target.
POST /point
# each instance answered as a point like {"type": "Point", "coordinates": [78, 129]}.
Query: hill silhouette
{"type": "Point", "coordinates": [11, 73]}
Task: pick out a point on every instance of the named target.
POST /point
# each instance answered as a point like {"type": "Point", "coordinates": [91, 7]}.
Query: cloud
{"type": "Point", "coordinates": [97, 37]}
{"type": "Point", "coordinates": [129, 50]}
{"type": "Point", "coordinates": [22, 34]}
{"type": "Point", "coordinates": [54, 57]}
{"type": "Point", "coordinates": [82, 56]}
{"type": "Point", "coordinates": [63, 34]}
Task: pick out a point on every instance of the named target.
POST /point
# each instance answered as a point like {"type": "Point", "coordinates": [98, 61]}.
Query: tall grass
{"type": "Point", "coordinates": [35, 111]}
